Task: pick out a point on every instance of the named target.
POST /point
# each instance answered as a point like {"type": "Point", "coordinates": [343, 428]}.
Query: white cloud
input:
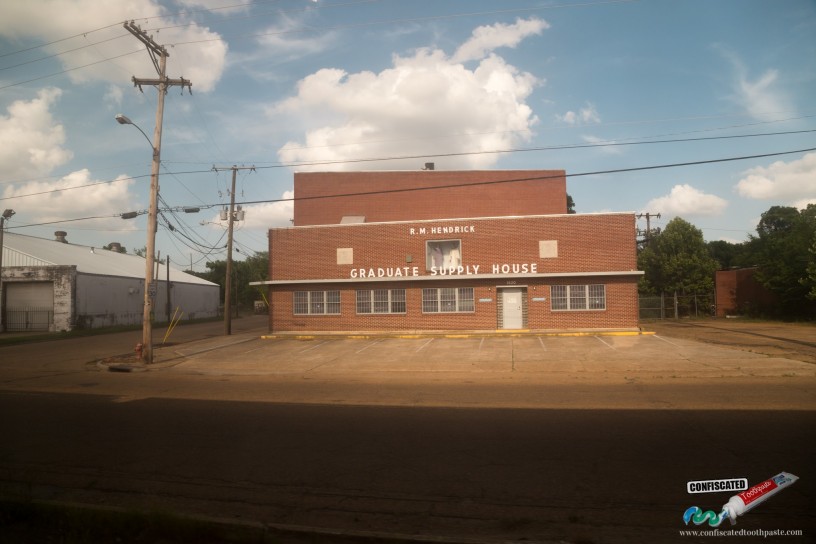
{"type": "Point", "coordinates": [485, 39]}
{"type": "Point", "coordinates": [686, 200]}
{"type": "Point", "coordinates": [55, 203]}
{"type": "Point", "coordinates": [47, 20]}
{"type": "Point", "coordinates": [113, 96]}
{"type": "Point", "coordinates": [781, 180]}
{"type": "Point", "coordinates": [286, 38]}
{"type": "Point", "coordinates": [412, 108]}
{"type": "Point", "coordinates": [584, 116]}
{"type": "Point", "coordinates": [215, 6]}
{"type": "Point", "coordinates": [30, 139]}
{"type": "Point", "coordinates": [802, 204]}
{"type": "Point", "coordinates": [759, 97]}
{"type": "Point", "coordinates": [605, 146]}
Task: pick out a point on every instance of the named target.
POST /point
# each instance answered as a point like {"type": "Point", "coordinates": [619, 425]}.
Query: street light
{"type": "Point", "coordinates": [6, 215]}
{"type": "Point", "coordinates": [152, 224]}
{"type": "Point", "coordinates": [123, 119]}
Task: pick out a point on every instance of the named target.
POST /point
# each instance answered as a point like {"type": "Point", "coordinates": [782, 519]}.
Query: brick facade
{"type": "Point", "coordinates": [739, 293]}
{"type": "Point", "coordinates": [496, 253]}
{"type": "Point", "coordinates": [426, 195]}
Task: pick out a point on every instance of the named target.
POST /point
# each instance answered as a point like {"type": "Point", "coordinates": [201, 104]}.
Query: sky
{"type": "Point", "coordinates": [616, 93]}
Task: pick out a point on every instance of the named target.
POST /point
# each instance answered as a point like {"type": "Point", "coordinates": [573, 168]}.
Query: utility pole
{"type": "Point", "coordinates": [169, 299]}
{"type": "Point", "coordinates": [232, 219]}
{"type": "Point", "coordinates": [6, 215]}
{"type": "Point", "coordinates": [648, 233]}
{"type": "Point", "coordinates": [161, 83]}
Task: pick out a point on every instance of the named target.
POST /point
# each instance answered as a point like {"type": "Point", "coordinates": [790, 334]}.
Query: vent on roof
{"type": "Point", "coordinates": [352, 219]}
{"type": "Point", "coordinates": [61, 234]}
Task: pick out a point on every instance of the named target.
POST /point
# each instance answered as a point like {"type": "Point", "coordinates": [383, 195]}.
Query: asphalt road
{"type": "Point", "coordinates": [574, 467]}
{"type": "Point", "coordinates": [573, 475]}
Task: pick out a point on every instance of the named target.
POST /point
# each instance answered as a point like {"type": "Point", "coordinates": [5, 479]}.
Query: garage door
{"type": "Point", "coordinates": [29, 306]}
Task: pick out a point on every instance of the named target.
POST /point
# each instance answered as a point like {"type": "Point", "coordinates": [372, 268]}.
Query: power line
{"type": "Point", "coordinates": [436, 155]}
{"type": "Point", "coordinates": [60, 40]}
{"type": "Point", "coordinates": [535, 178]}
{"type": "Point", "coordinates": [493, 182]}
{"type": "Point", "coordinates": [68, 70]}
{"type": "Point", "coordinates": [310, 29]}
{"type": "Point", "coordinates": [32, 61]}
{"type": "Point", "coordinates": [545, 148]}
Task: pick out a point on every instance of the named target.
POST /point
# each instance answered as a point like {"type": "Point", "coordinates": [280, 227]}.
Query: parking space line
{"type": "Point", "coordinates": [314, 347]}
{"type": "Point", "coordinates": [668, 342]}
{"type": "Point", "coordinates": [420, 348]}
{"type": "Point", "coordinates": [481, 344]}
{"type": "Point", "coordinates": [368, 346]}
{"type": "Point", "coordinates": [541, 341]}
{"type": "Point", "coordinates": [604, 343]}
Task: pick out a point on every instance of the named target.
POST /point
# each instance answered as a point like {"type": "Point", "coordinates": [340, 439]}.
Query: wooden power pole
{"type": "Point", "coordinates": [158, 54]}
{"type": "Point", "coordinates": [232, 219]}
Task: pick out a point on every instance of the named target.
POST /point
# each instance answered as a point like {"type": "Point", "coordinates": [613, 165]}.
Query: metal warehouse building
{"type": "Point", "coordinates": [52, 285]}
{"type": "Point", "coordinates": [449, 250]}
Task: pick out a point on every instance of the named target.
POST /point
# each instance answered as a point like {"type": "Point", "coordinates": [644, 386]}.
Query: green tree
{"type": "Point", "coordinates": [570, 204]}
{"type": "Point", "coordinates": [677, 260]}
{"type": "Point", "coordinates": [810, 278]}
{"type": "Point", "coordinates": [727, 254]}
{"type": "Point", "coordinates": [781, 250]}
{"type": "Point", "coordinates": [253, 268]}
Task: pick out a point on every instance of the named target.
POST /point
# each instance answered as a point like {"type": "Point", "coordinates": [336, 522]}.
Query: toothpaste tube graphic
{"type": "Point", "coordinates": [741, 503]}
{"type": "Point", "coordinates": [745, 501]}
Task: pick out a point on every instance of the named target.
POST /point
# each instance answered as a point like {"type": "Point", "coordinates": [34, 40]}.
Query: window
{"type": "Point", "coordinates": [316, 302]}
{"type": "Point", "coordinates": [596, 297]}
{"type": "Point", "coordinates": [443, 254]}
{"type": "Point", "coordinates": [578, 297]}
{"type": "Point", "coordinates": [447, 300]}
{"type": "Point", "coordinates": [381, 301]}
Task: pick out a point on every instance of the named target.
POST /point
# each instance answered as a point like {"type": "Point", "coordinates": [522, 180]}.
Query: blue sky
{"type": "Point", "coordinates": [294, 85]}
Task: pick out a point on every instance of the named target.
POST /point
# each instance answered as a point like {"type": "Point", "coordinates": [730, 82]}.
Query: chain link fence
{"type": "Point", "coordinates": [674, 306]}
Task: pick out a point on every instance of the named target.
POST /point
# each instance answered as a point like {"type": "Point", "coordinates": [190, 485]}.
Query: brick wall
{"type": "Point", "coordinates": [738, 292]}
{"type": "Point", "coordinates": [371, 194]}
{"type": "Point", "coordinates": [621, 307]}
{"type": "Point", "coordinates": [585, 244]}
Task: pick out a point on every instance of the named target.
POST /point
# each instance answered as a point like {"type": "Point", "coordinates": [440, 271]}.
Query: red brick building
{"type": "Point", "coordinates": [739, 293]}
{"type": "Point", "coordinates": [436, 250]}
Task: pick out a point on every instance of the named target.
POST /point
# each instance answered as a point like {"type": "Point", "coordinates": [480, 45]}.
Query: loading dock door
{"type": "Point", "coordinates": [512, 308]}
{"type": "Point", "coordinates": [29, 306]}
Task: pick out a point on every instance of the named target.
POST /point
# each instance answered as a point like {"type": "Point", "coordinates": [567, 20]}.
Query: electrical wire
{"type": "Point", "coordinates": [492, 182]}
{"type": "Point", "coordinates": [442, 155]}
{"type": "Point", "coordinates": [255, 16]}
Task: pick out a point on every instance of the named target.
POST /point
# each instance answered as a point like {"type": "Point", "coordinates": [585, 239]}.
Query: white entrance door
{"type": "Point", "coordinates": [512, 314]}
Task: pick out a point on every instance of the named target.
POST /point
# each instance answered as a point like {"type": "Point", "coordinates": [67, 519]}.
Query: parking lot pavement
{"type": "Point", "coordinates": [589, 359]}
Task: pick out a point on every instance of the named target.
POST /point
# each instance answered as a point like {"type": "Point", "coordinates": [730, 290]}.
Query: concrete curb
{"type": "Point", "coordinates": [449, 334]}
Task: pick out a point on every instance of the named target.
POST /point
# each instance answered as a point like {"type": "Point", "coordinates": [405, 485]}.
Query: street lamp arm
{"type": "Point", "coordinates": [125, 120]}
